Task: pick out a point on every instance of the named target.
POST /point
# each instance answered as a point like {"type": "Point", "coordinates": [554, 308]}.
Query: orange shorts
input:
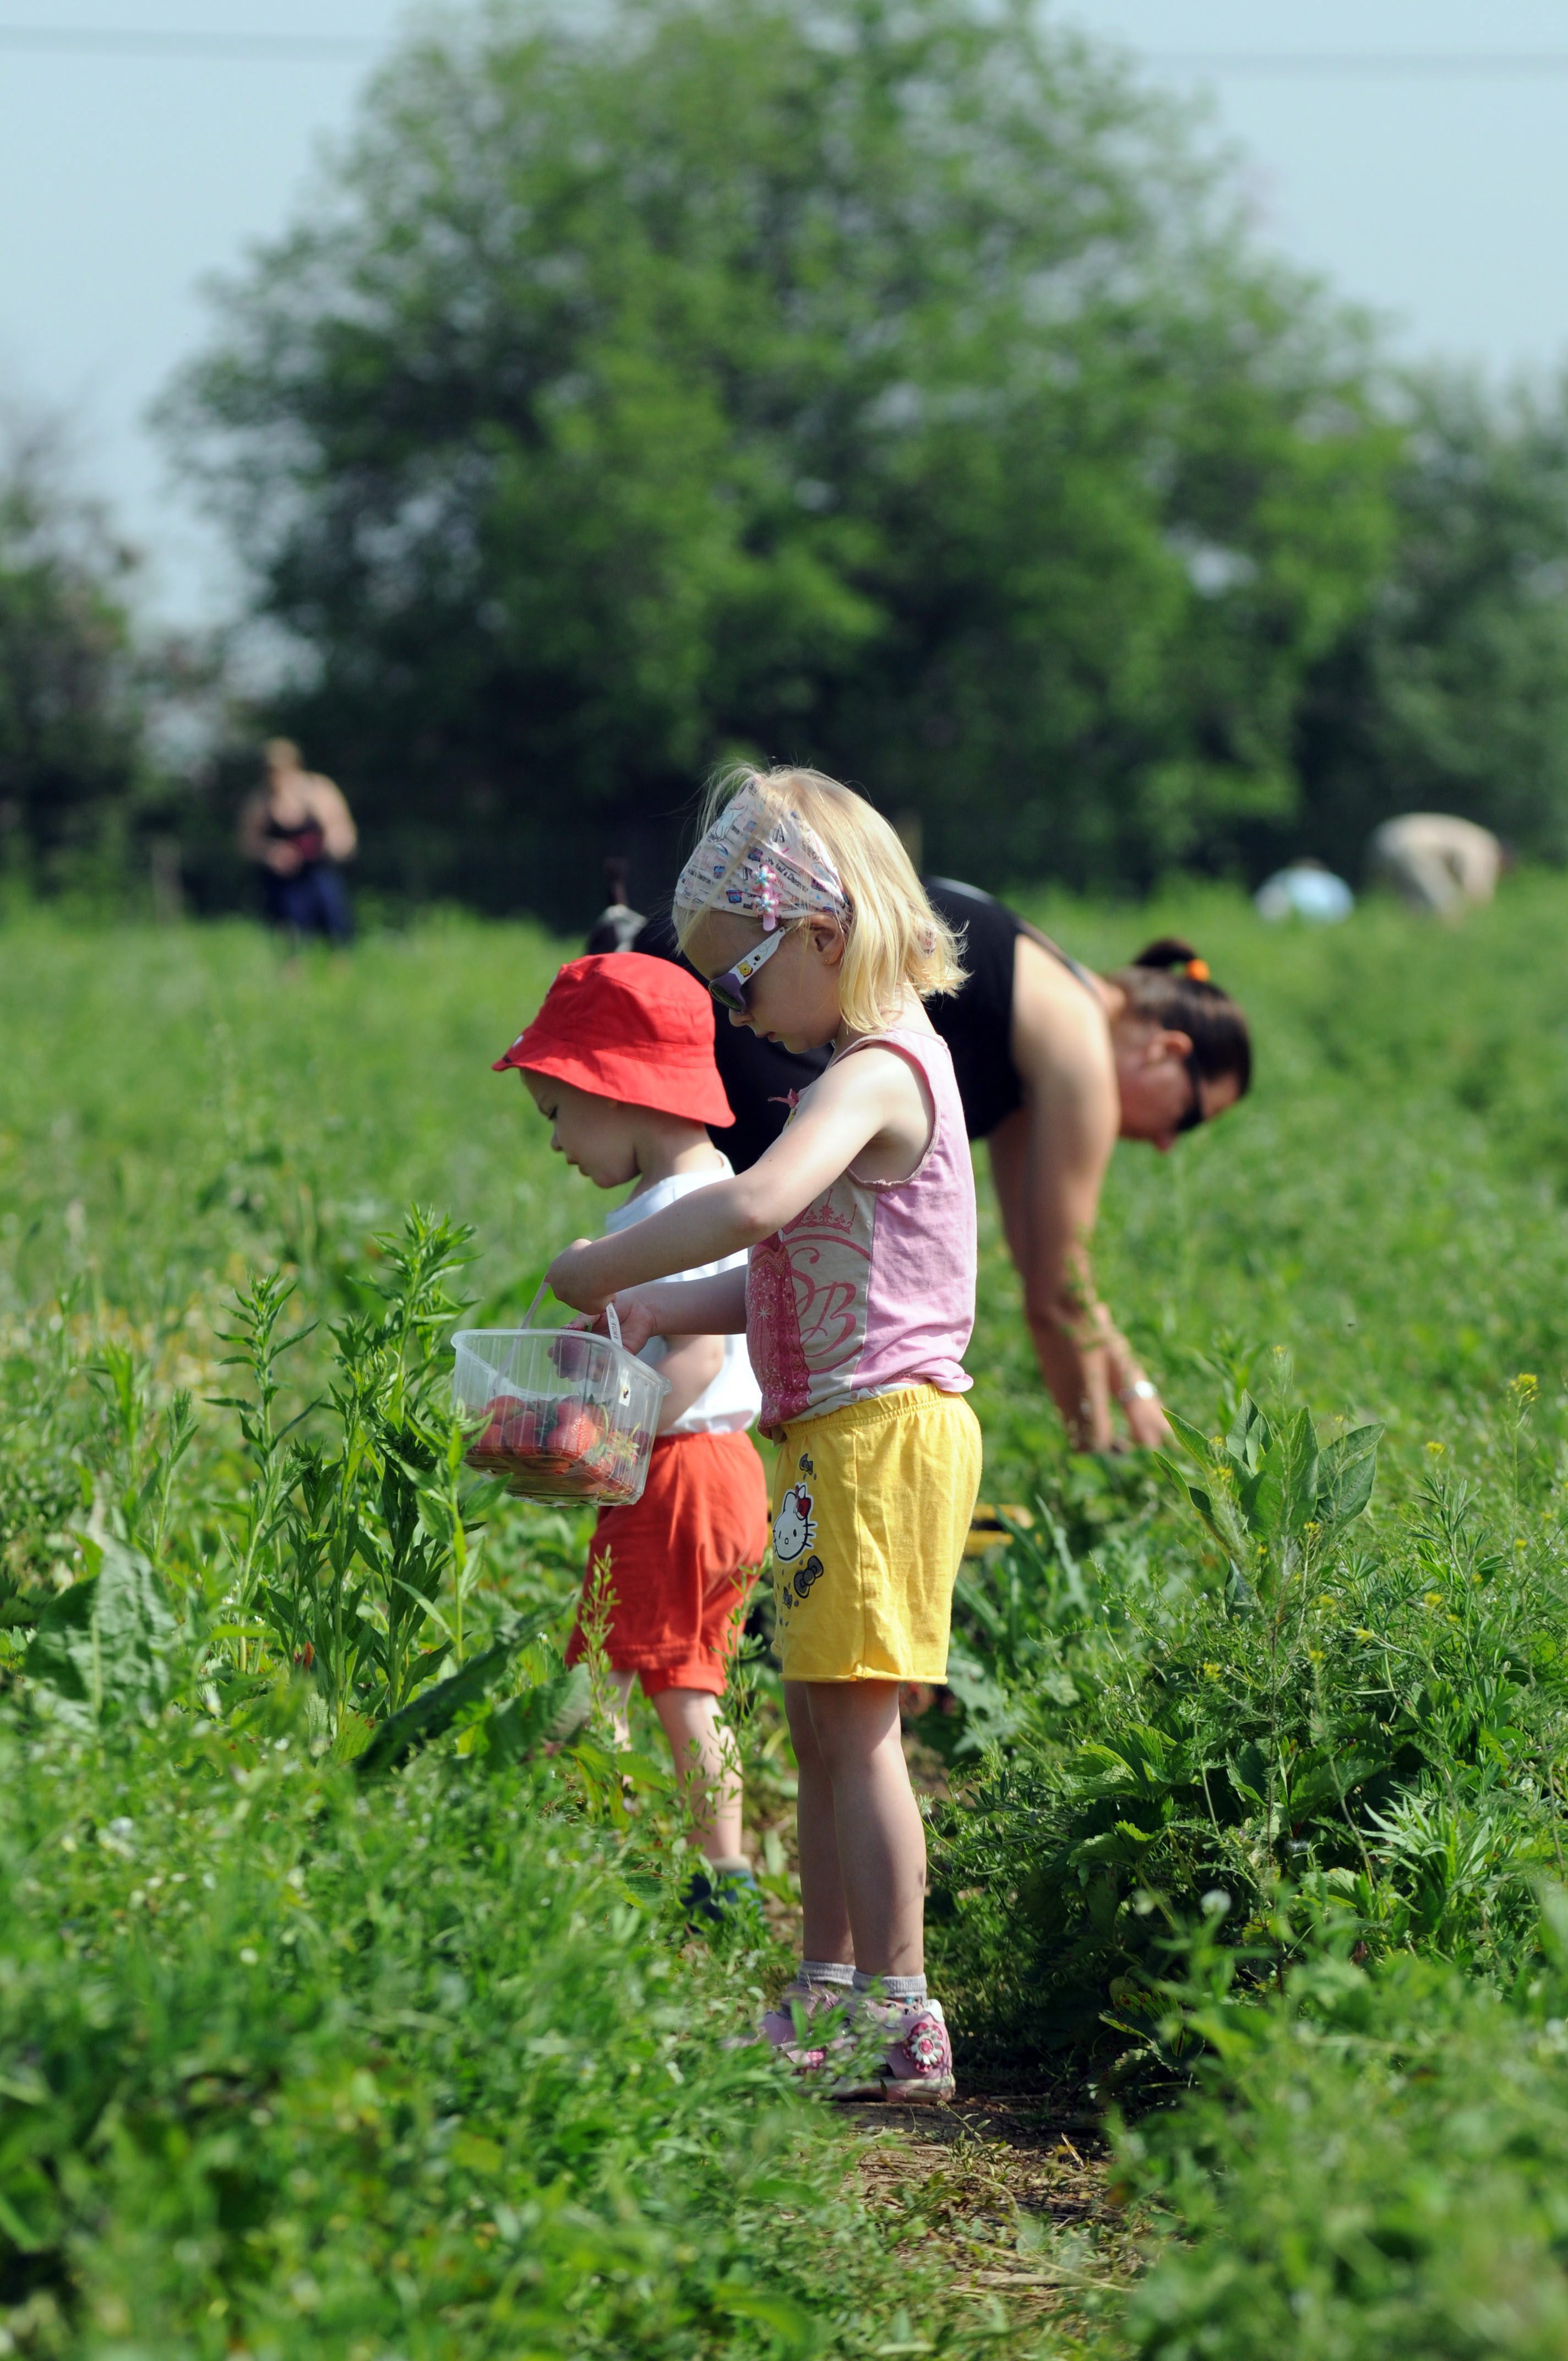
{"type": "Point", "coordinates": [681, 1561]}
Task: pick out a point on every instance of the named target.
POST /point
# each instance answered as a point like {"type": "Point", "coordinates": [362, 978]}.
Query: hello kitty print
{"type": "Point", "coordinates": [795, 1527]}
{"type": "Point", "coordinates": [871, 1288]}
{"type": "Point", "coordinates": [796, 1566]}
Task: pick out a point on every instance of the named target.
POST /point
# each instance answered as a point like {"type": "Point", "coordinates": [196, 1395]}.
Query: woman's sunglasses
{"type": "Point", "coordinates": [730, 989]}
{"type": "Point", "coordinates": [1195, 1115]}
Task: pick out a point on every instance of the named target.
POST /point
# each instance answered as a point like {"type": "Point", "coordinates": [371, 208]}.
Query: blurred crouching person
{"type": "Point", "coordinates": [1435, 862]}
{"type": "Point", "coordinates": [1305, 890]}
{"type": "Point", "coordinates": [617, 925]}
{"type": "Point", "coordinates": [297, 828]}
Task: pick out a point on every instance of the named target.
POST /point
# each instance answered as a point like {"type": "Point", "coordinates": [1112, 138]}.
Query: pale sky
{"type": "Point", "coordinates": [1440, 198]}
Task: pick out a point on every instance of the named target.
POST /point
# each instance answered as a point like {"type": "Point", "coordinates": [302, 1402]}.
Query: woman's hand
{"type": "Point", "coordinates": [1146, 1421]}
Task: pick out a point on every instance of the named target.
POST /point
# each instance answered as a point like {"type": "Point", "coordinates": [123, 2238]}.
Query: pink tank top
{"type": "Point", "coordinates": [871, 1289]}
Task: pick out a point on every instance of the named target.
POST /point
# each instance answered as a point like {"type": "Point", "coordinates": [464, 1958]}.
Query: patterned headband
{"type": "Point", "coordinates": [760, 863]}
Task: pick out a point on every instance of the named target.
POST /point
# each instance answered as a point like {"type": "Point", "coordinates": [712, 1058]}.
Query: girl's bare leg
{"type": "Point", "coordinates": [707, 1764]}
{"type": "Point", "coordinates": [825, 1916]}
{"type": "Point", "coordinates": [876, 1892]}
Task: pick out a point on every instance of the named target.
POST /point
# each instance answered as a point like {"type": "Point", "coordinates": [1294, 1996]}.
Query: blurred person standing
{"type": "Point", "coordinates": [1435, 862]}
{"type": "Point", "coordinates": [297, 828]}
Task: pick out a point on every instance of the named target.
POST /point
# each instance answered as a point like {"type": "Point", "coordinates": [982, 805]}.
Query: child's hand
{"type": "Point", "coordinates": [571, 1277]}
{"type": "Point", "coordinates": [634, 1310]}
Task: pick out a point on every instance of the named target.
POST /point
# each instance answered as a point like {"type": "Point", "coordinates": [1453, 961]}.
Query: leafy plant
{"type": "Point", "coordinates": [1268, 1492]}
{"type": "Point", "coordinates": [110, 1646]}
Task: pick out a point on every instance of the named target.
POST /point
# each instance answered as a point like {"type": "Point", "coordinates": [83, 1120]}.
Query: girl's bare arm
{"type": "Point", "coordinates": [874, 1092]}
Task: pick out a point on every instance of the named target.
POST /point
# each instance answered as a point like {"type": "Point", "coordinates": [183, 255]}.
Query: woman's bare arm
{"type": "Point", "coordinates": [1048, 1161]}
{"type": "Point", "coordinates": [328, 808]}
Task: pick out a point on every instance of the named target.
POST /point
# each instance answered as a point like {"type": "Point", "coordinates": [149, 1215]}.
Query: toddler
{"type": "Point", "coordinates": [619, 1062]}
{"type": "Point", "coordinates": [800, 908]}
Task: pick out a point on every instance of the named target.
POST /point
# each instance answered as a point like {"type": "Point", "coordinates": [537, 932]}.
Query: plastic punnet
{"type": "Point", "coordinates": [563, 1415]}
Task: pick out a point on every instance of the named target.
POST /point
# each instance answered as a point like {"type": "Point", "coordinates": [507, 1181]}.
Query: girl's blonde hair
{"type": "Point", "coordinates": [894, 939]}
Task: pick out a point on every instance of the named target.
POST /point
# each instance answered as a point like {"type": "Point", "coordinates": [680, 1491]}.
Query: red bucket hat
{"type": "Point", "coordinates": [628, 1027]}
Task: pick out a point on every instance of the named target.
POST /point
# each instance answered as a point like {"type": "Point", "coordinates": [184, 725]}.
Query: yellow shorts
{"type": "Point", "coordinates": [871, 1504]}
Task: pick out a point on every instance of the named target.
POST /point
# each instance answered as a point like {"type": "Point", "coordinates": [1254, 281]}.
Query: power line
{"type": "Point", "coordinates": [1382, 62]}
{"type": "Point", "coordinates": [87, 40]}
{"type": "Point", "coordinates": [91, 40]}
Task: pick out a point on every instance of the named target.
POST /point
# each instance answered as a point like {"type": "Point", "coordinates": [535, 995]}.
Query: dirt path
{"type": "Point", "coordinates": [1014, 2189]}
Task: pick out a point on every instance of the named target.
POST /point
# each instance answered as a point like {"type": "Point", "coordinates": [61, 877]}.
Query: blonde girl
{"type": "Point", "coordinates": [800, 909]}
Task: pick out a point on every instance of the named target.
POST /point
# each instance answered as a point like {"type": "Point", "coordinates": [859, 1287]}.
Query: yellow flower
{"type": "Point", "coordinates": [1437, 1449]}
{"type": "Point", "coordinates": [1526, 1386]}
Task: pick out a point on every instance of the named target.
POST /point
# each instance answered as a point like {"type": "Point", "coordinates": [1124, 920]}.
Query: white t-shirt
{"type": "Point", "coordinates": [731, 1403]}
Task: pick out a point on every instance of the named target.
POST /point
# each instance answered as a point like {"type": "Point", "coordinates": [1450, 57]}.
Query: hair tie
{"type": "Point", "coordinates": [1196, 969]}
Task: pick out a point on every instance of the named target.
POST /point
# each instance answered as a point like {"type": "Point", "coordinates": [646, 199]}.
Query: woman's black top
{"type": "Point", "coordinates": [307, 836]}
{"type": "Point", "coordinates": [976, 1023]}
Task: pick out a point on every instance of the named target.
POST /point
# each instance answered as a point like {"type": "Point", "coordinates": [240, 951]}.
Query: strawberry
{"type": "Point", "coordinates": [574, 1431]}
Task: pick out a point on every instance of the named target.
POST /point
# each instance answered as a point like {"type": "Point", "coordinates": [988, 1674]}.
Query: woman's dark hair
{"type": "Point", "coordinates": [1170, 985]}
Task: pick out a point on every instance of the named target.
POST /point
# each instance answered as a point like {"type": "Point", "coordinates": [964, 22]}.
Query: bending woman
{"type": "Point", "coordinates": [1053, 1065]}
{"type": "Point", "coordinates": [1060, 1063]}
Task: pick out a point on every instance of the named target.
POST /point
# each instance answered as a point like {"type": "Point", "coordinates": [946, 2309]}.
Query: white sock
{"type": "Point", "coordinates": [907, 1989]}
{"type": "Point", "coordinates": [826, 1971]}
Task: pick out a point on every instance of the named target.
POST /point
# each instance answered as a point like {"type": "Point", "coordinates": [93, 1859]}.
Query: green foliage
{"type": "Point", "coordinates": [1447, 692]}
{"type": "Point", "coordinates": [891, 385]}
{"type": "Point", "coordinates": [71, 757]}
{"type": "Point", "coordinates": [1324, 1729]}
{"type": "Point", "coordinates": [292, 2068]}
{"type": "Point", "coordinates": [1267, 1794]}
{"type": "Point", "coordinates": [1268, 1490]}
{"type": "Point", "coordinates": [1376, 2165]}
{"type": "Point", "coordinates": [105, 1643]}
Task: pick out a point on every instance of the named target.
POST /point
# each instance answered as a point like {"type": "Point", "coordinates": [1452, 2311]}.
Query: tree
{"type": "Point", "coordinates": [70, 725]}
{"type": "Point", "coordinates": [879, 382]}
{"type": "Point", "coordinates": [1450, 693]}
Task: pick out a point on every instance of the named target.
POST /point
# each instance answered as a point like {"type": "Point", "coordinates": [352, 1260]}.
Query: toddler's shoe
{"type": "Point", "coordinates": [718, 1896]}
{"type": "Point", "coordinates": [792, 2040]}
{"type": "Point", "coordinates": [916, 2065]}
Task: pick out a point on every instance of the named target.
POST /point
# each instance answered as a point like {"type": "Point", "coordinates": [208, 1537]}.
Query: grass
{"type": "Point", "coordinates": [1254, 1834]}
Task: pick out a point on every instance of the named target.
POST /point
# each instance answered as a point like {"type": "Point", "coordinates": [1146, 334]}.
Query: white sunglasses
{"type": "Point", "coordinates": [730, 989]}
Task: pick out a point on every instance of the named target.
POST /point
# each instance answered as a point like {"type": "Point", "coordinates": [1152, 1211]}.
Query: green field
{"type": "Point", "coordinates": [1246, 1835]}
